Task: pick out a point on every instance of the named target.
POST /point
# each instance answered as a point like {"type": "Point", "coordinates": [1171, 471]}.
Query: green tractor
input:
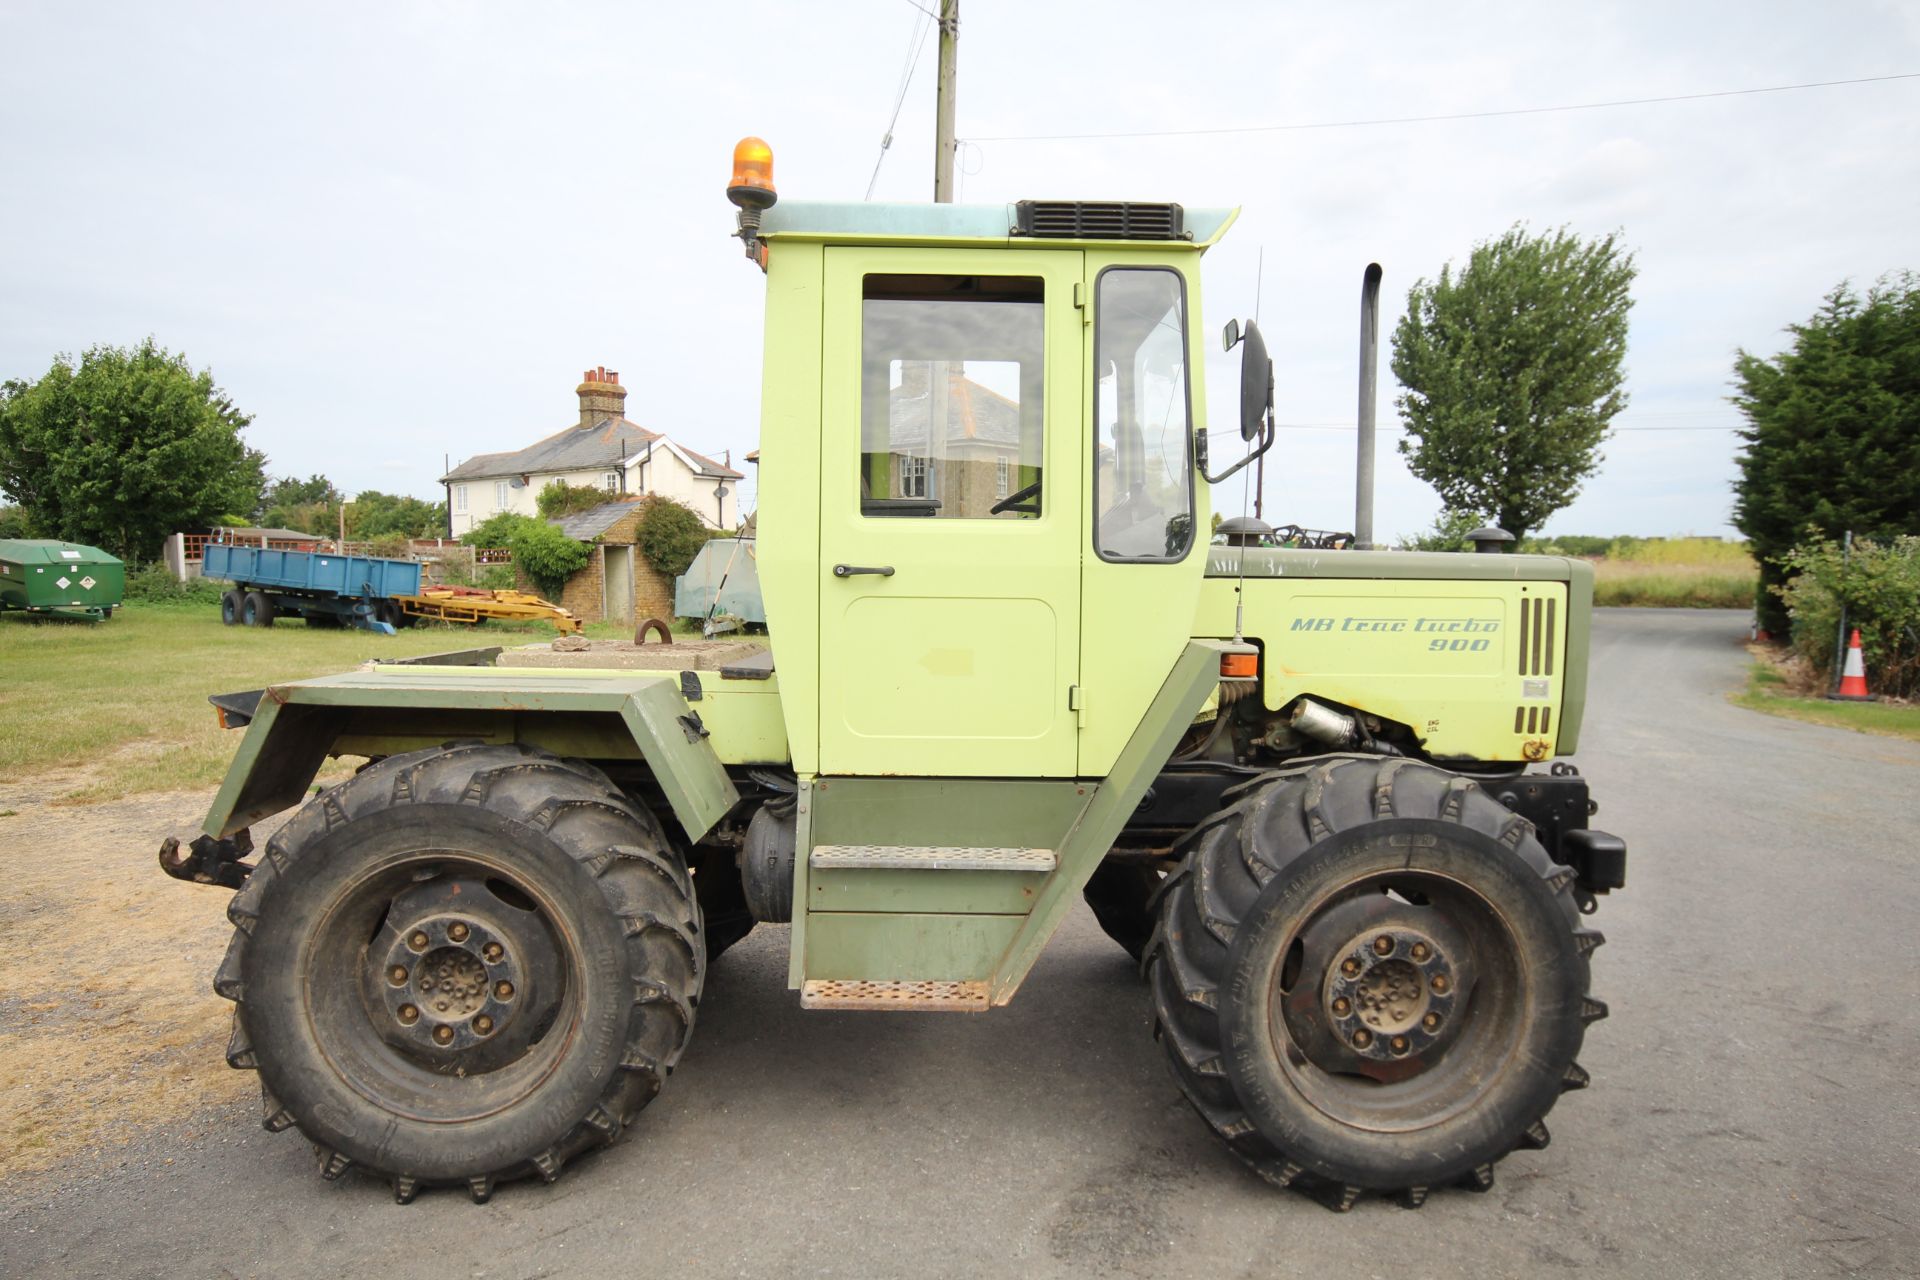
{"type": "Point", "coordinates": [1012, 671]}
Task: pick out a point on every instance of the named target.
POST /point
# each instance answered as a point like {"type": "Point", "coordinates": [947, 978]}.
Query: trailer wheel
{"type": "Point", "coordinates": [462, 966]}
{"type": "Point", "coordinates": [230, 605]}
{"type": "Point", "coordinates": [256, 610]}
{"type": "Point", "coordinates": [1369, 976]}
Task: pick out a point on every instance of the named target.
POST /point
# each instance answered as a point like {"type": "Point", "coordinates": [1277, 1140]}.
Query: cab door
{"type": "Point", "coordinates": [950, 505]}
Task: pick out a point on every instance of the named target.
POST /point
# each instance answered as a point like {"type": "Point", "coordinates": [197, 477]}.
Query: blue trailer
{"type": "Point", "coordinates": [327, 590]}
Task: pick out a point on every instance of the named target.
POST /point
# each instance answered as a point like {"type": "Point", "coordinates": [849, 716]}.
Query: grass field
{"type": "Point", "coordinates": [1773, 691]}
{"type": "Point", "coordinates": [129, 695]}
{"type": "Point", "coordinates": [1684, 573]}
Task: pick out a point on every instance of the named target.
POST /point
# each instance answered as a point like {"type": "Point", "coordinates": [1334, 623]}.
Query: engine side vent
{"type": "Point", "coordinates": [1537, 636]}
{"type": "Point", "coordinates": [1099, 220]}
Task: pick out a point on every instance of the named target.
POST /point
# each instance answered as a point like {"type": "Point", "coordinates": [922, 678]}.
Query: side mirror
{"type": "Point", "coordinates": [1256, 383]}
{"type": "Point", "coordinates": [1230, 335]}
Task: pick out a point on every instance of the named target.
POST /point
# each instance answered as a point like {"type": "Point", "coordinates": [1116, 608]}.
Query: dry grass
{"type": "Point", "coordinates": [107, 1022]}
{"type": "Point", "coordinates": [1678, 573]}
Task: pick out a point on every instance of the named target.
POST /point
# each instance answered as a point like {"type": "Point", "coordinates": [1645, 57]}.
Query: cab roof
{"type": "Point", "coordinates": [1034, 223]}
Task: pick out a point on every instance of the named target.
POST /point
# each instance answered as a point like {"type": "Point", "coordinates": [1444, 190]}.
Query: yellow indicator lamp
{"type": "Point", "coordinates": [751, 186]}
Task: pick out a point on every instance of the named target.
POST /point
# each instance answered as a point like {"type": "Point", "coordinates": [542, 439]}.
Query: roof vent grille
{"type": "Point", "coordinates": [1099, 220]}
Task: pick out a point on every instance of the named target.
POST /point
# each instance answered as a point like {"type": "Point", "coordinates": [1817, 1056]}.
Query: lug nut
{"type": "Point", "coordinates": [503, 991]}
{"type": "Point", "coordinates": [483, 1024]}
{"type": "Point", "coordinates": [1421, 951]}
{"type": "Point", "coordinates": [1383, 945]}
{"type": "Point", "coordinates": [1398, 1044]}
{"type": "Point", "coordinates": [418, 941]}
{"type": "Point", "coordinates": [397, 975]}
{"type": "Point", "coordinates": [443, 1034]}
{"type": "Point", "coordinates": [1341, 1005]}
{"type": "Point", "coordinates": [1362, 1038]}
{"type": "Point", "coordinates": [440, 1005]}
{"type": "Point", "coordinates": [457, 931]}
{"type": "Point", "coordinates": [1350, 966]}
{"type": "Point", "coordinates": [409, 1014]}
{"type": "Point", "coordinates": [1440, 984]}
{"type": "Point", "coordinates": [493, 951]}
{"type": "Point", "coordinates": [1431, 1022]}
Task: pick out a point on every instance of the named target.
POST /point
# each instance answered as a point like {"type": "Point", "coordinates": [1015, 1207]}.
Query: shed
{"type": "Point", "coordinates": [617, 584]}
{"type": "Point", "coordinates": [60, 579]}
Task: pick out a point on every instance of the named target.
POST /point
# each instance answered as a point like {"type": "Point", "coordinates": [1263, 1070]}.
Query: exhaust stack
{"type": "Point", "coordinates": [1369, 376]}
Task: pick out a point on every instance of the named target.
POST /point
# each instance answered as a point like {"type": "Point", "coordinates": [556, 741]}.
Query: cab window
{"type": "Point", "coordinates": [951, 414]}
{"type": "Point", "coordinates": [1142, 479]}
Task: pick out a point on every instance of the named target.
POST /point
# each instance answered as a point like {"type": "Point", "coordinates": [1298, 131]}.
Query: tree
{"type": "Point", "coordinates": [124, 449]}
{"type": "Point", "coordinates": [1513, 370]}
{"type": "Point", "coordinates": [311, 505]}
{"type": "Point", "coordinates": [1832, 441]}
{"type": "Point", "coordinates": [375, 515]}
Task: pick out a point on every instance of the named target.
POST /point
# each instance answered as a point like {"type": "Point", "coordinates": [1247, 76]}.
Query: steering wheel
{"type": "Point", "coordinates": [1009, 503]}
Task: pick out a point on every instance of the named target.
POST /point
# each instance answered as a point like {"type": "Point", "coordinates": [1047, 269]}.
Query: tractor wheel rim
{"type": "Point", "coordinates": [1399, 1002]}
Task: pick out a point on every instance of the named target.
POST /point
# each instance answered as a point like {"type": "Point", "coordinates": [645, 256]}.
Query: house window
{"type": "Point", "coordinates": [613, 482]}
{"type": "Point", "coordinates": [913, 475]}
{"type": "Point", "coordinates": [951, 380]}
{"type": "Point", "coordinates": [500, 495]}
{"type": "Point", "coordinates": [459, 497]}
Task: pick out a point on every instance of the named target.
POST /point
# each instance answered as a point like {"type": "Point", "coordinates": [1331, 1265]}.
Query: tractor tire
{"type": "Point", "coordinates": [256, 610]}
{"type": "Point", "coordinates": [462, 966]}
{"type": "Point", "coordinates": [230, 607]}
{"type": "Point", "coordinates": [1370, 977]}
{"type": "Point", "coordinates": [1122, 897]}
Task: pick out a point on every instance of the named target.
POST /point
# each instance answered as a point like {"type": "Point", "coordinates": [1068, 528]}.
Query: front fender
{"type": "Point", "coordinates": [593, 715]}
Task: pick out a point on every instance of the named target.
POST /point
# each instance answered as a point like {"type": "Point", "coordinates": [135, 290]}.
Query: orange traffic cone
{"type": "Point", "coordinates": [1853, 676]}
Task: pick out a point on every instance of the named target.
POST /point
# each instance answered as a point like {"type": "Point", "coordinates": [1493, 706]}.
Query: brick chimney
{"type": "Point", "coordinates": [601, 396]}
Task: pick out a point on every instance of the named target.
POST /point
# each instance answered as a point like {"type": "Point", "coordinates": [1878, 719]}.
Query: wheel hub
{"type": "Point", "coordinates": [1379, 989]}
{"type": "Point", "coordinates": [456, 978]}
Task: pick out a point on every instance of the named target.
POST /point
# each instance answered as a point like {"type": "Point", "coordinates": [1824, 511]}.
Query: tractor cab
{"type": "Point", "coordinates": [990, 474]}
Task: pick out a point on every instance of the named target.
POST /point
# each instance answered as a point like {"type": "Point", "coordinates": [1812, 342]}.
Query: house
{"type": "Point", "coordinates": [604, 449]}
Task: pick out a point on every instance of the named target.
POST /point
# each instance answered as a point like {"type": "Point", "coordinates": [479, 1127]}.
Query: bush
{"type": "Point", "coordinates": [496, 530]}
{"type": "Point", "coordinates": [547, 556]}
{"type": "Point", "coordinates": [670, 535]}
{"type": "Point", "coordinates": [155, 584]}
{"type": "Point", "coordinates": [1879, 585]}
{"type": "Point", "coordinates": [1449, 532]}
{"type": "Point", "coordinates": [393, 546]}
{"type": "Point", "coordinates": [558, 498]}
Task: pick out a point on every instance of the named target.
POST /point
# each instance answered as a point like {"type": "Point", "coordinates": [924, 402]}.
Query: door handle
{"type": "Point", "coordinates": [848, 570]}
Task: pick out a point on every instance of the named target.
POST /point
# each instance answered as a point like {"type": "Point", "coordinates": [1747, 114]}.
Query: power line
{"type": "Point", "coordinates": [1456, 115]}
{"type": "Point", "coordinates": [916, 41]}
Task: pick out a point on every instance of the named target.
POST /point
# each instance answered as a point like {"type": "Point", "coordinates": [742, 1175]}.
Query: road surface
{"type": "Point", "coordinates": [1753, 1111]}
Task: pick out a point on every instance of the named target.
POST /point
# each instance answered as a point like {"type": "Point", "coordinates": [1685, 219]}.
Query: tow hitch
{"type": "Point", "coordinates": [209, 860]}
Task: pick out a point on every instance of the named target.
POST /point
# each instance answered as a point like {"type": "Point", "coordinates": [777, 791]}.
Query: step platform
{"type": "Point", "coordinates": [904, 997]}
{"type": "Point", "coordinates": [877, 857]}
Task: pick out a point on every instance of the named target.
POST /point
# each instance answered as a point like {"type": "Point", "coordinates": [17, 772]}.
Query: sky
{"type": "Point", "coordinates": [397, 232]}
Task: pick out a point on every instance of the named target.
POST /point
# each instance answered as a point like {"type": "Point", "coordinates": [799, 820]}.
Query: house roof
{"type": "Point", "coordinates": [973, 412]}
{"type": "Point", "coordinates": [585, 526]}
{"type": "Point", "coordinates": [604, 444]}
{"type": "Point", "coordinates": [272, 534]}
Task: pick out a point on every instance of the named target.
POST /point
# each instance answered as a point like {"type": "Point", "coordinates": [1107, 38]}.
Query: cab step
{"type": "Point", "coordinates": [927, 857]}
{"type": "Point", "coordinates": [921, 997]}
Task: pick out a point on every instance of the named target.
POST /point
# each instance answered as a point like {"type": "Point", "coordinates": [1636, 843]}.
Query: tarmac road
{"type": "Point", "coordinates": [1753, 1111]}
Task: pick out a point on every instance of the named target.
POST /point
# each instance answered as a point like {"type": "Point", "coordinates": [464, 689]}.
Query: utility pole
{"type": "Point", "coordinates": [943, 145]}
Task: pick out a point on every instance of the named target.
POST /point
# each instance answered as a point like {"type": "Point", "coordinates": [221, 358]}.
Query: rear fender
{"type": "Point", "coordinates": [295, 727]}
